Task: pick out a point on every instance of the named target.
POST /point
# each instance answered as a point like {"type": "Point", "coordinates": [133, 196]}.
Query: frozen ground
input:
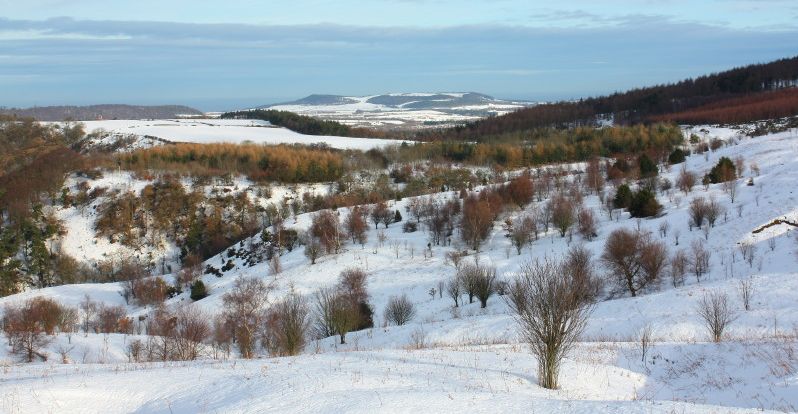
{"type": "Point", "coordinates": [470, 359]}
{"type": "Point", "coordinates": [222, 130]}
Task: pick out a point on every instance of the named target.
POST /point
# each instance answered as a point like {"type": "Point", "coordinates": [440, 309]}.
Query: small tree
{"type": "Point", "coordinates": [549, 314]}
{"type": "Point", "coordinates": [399, 310]}
{"type": "Point", "coordinates": [26, 326]}
{"type": "Point", "coordinates": [699, 263]}
{"type": "Point", "coordinates": [485, 284]}
{"type": "Point", "coordinates": [287, 326]}
{"type": "Point", "coordinates": [454, 288]}
{"type": "Point", "coordinates": [562, 214]}
{"type": "Point", "coordinates": [623, 257]}
{"type": "Point", "coordinates": [244, 309]}
{"type": "Point", "coordinates": [198, 290]}
{"type": "Point", "coordinates": [355, 226]}
{"type": "Point", "coordinates": [586, 222]}
{"type": "Point", "coordinates": [714, 310]}
{"type": "Point", "coordinates": [312, 249]}
{"type": "Point", "coordinates": [686, 180]}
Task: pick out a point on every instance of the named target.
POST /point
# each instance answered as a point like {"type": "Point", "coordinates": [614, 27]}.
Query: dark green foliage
{"type": "Point", "coordinates": [298, 123]}
{"type": "Point", "coordinates": [366, 316]}
{"type": "Point", "coordinates": [678, 156]}
{"type": "Point", "coordinates": [198, 290]}
{"type": "Point", "coordinates": [723, 171]}
{"type": "Point", "coordinates": [397, 217]}
{"type": "Point", "coordinates": [648, 168]}
{"type": "Point", "coordinates": [623, 197]}
{"type": "Point", "coordinates": [644, 204]}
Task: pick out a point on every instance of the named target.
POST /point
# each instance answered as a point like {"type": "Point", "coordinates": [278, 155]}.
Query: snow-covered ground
{"type": "Point", "coordinates": [206, 131]}
{"type": "Point", "coordinates": [470, 359]}
{"type": "Point", "coordinates": [407, 110]}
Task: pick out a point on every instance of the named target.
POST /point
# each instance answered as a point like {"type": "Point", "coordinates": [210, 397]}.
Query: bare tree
{"type": "Point", "coordinates": [288, 324]}
{"type": "Point", "coordinates": [746, 290]}
{"type": "Point", "coordinates": [485, 284]}
{"type": "Point", "coordinates": [399, 310]}
{"type": "Point", "coordinates": [454, 288]}
{"type": "Point", "coordinates": [699, 263]}
{"type": "Point", "coordinates": [714, 310]}
{"type": "Point", "coordinates": [586, 223]}
{"type": "Point", "coordinates": [686, 180]}
{"type": "Point", "coordinates": [623, 256]}
{"type": "Point", "coordinates": [26, 327]}
{"type": "Point", "coordinates": [550, 315]}
{"type": "Point", "coordinates": [653, 259]}
{"type": "Point", "coordinates": [698, 212]}
{"type": "Point", "coordinates": [578, 263]}
{"type": "Point", "coordinates": [713, 211]}
{"type": "Point", "coordinates": [748, 251]}
{"type": "Point", "coordinates": [678, 267]}
{"type": "Point", "coordinates": [244, 309]}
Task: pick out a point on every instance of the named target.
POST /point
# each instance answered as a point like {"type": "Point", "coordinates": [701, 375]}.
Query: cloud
{"type": "Point", "coordinates": [66, 60]}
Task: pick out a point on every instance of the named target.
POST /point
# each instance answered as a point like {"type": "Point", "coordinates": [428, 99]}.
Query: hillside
{"type": "Point", "coordinates": [401, 111]}
{"type": "Point", "coordinates": [648, 104]}
{"type": "Point", "coordinates": [96, 112]}
{"type": "Point", "coordinates": [450, 359]}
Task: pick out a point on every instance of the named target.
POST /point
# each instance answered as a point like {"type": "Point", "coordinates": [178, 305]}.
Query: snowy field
{"type": "Point", "coordinates": [470, 359]}
{"type": "Point", "coordinates": [207, 131]}
{"type": "Point", "coordinates": [439, 109]}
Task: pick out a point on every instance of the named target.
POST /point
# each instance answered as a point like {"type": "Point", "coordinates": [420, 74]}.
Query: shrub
{"type": "Point", "coordinates": [244, 311]}
{"type": "Point", "coordinates": [677, 156]}
{"type": "Point", "coordinates": [198, 290]}
{"type": "Point", "coordinates": [288, 325]}
{"type": "Point", "coordinates": [715, 312]}
{"type": "Point", "coordinates": [648, 168]}
{"type": "Point", "coordinates": [399, 310]}
{"type": "Point", "coordinates": [723, 171]}
{"type": "Point", "coordinates": [623, 256]}
{"type": "Point", "coordinates": [644, 204]}
{"type": "Point", "coordinates": [27, 326]}
{"type": "Point", "coordinates": [623, 197]}
{"type": "Point", "coordinates": [550, 316]}
{"type": "Point", "coordinates": [409, 227]}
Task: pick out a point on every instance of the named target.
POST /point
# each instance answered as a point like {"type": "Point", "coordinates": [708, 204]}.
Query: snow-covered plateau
{"type": "Point", "coordinates": [464, 359]}
{"type": "Point", "coordinates": [204, 131]}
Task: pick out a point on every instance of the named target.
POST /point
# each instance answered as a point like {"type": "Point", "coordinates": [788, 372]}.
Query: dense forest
{"type": "Point", "coordinates": [638, 105]}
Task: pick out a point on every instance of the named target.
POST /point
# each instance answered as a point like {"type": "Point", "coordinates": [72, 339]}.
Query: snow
{"type": "Point", "coordinates": [470, 359]}
{"type": "Point", "coordinates": [207, 131]}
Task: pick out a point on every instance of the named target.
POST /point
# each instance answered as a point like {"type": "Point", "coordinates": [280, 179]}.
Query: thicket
{"type": "Point", "coordinates": [283, 163]}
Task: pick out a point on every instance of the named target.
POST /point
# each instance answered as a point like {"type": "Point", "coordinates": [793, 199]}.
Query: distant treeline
{"type": "Point", "coordinates": [642, 105]}
{"type": "Point", "coordinates": [308, 125]}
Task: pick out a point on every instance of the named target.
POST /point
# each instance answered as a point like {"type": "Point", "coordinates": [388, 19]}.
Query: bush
{"type": "Point", "coordinates": [678, 156]}
{"type": "Point", "coordinates": [198, 290]}
{"type": "Point", "coordinates": [28, 325]}
{"type": "Point", "coordinates": [723, 171]}
{"type": "Point", "coordinates": [644, 204]}
{"type": "Point", "coordinates": [550, 315]}
{"type": "Point", "coordinates": [399, 310]}
{"type": "Point", "coordinates": [288, 324]}
{"type": "Point", "coordinates": [623, 197]}
{"type": "Point", "coordinates": [410, 227]}
{"type": "Point", "coordinates": [647, 167]}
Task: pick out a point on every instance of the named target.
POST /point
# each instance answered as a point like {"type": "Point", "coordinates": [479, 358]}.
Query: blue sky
{"type": "Point", "coordinates": [238, 53]}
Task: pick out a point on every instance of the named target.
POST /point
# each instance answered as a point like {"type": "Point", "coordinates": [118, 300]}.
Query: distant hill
{"type": "Point", "coordinates": [401, 111]}
{"type": "Point", "coordinates": [407, 101]}
{"type": "Point", "coordinates": [94, 112]}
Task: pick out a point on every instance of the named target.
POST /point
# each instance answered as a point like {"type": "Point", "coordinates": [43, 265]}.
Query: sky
{"type": "Point", "coordinates": [241, 53]}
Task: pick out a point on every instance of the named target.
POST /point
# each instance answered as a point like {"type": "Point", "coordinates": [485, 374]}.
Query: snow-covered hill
{"type": "Point", "coordinates": [402, 110]}
{"type": "Point", "coordinates": [145, 133]}
{"type": "Point", "coordinates": [470, 359]}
